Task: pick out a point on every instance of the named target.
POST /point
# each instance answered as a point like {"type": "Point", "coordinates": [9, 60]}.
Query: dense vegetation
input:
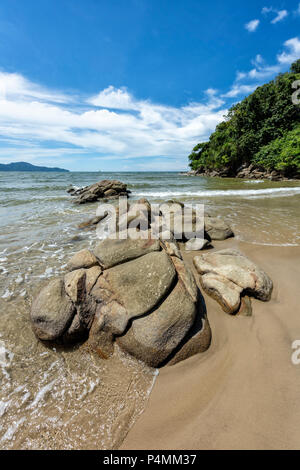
{"type": "Point", "coordinates": [263, 129]}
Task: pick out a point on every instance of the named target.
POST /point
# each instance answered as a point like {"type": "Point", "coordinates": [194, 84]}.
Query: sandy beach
{"type": "Point", "coordinates": [243, 392]}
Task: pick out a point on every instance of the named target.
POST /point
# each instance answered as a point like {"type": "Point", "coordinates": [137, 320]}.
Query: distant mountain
{"type": "Point", "coordinates": [24, 166]}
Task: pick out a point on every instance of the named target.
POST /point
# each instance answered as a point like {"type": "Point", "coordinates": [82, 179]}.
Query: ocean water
{"type": "Point", "coordinates": [50, 398]}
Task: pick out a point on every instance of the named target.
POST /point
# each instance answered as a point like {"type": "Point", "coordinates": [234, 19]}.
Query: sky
{"type": "Point", "coordinates": [131, 85]}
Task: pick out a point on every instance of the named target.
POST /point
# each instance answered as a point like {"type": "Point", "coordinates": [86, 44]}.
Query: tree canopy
{"type": "Point", "coordinates": [263, 129]}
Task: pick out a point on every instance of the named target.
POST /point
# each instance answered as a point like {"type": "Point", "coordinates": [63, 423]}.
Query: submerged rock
{"type": "Point", "coordinates": [227, 275]}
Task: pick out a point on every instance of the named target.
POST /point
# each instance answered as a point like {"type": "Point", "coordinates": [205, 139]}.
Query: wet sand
{"type": "Point", "coordinates": [64, 398]}
{"type": "Point", "coordinates": [243, 393]}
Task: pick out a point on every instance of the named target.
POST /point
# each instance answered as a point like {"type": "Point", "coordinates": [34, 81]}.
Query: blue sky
{"type": "Point", "coordinates": [135, 84]}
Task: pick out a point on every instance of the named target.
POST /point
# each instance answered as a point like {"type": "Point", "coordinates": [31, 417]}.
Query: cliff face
{"type": "Point", "coordinates": [261, 132]}
{"type": "Point", "coordinates": [23, 166]}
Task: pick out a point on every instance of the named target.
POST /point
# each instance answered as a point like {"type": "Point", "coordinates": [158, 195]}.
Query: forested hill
{"type": "Point", "coordinates": [262, 131]}
{"type": "Point", "coordinates": [24, 166]}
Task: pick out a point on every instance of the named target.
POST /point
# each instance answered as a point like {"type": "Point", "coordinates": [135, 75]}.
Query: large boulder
{"type": "Point", "coordinates": [227, 275]}
{"type": "Point", "coordinates": [126, 291]}
{"type": "Point", "coordinates": [108, 189]}
{"type": "Point", "coordinates": [140, 294]}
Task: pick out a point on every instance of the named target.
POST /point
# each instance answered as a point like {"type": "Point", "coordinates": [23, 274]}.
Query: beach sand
{"type": "Point", "coordinates": [243, 393]}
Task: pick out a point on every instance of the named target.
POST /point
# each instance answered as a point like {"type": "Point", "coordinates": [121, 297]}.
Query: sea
{"type": "Point", "coordinates": [52, 398]}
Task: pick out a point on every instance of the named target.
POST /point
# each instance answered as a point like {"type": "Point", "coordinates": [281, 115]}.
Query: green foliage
{"type": "Point", "coordinates": [295, 67]}
{"type": "Point", "coordinates": [281, 154]}
{"type": "Point", "coordinates": [260, 129]}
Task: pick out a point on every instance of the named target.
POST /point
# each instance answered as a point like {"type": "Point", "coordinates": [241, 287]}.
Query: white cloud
{"type": "Point", "coordinates": [279, 14]}
{"type": "Point", "coordinates": [292, 53]}
{"type": "Point", "coordinates": [262, 71]}
{"type": "Point", "coordinates": [237, 90]}
{"type": "Point", "coordinates": [114, 98]}
{"type": "Point", "coordinates": [252, 25]}
{"type": "Point", "coordinates": [114, 123]}
{"type": "Point", "coordinates": [14, 85]}
{"type": "Point", "coordinates": [258, 60]}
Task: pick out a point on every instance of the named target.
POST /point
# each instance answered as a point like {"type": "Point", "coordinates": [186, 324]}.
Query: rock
{"type": "Point", "coordinates": [216, 228]}
{"type": "Point", "coordinates": [171, 247]}
{"type": "Point", "coordinates": [92, 275]}
{"type": "Point", "coordinates": [195, 244]}
{"type": "Point", "coordinates": [227, 274]}
{"type": "Point", "coordinates": [152, 338]}
{"type": "Point", "coordinates": [78, 284]}
{"type": "Point", "coordinates": [144, 298]}
{"type": "Point", "coordinates": [186, 276]}
{"type": "Point", "coordinates": [75, 285]}
{"type": "Point", "coordinates": [196, 341]}
{"type": "Point", "coordinates": [111, 252]}
{"type": "Point", "coordinates": [126, 291]}
{"type": "Point", "coordinates": [223, 291]}
{"type": "Point", "coordinates": [146, 207]}
{"type": "Point", "coordinates": [52, 311]}
{"type": "Point", "coordinates": [103, 189]}
{"type": "Point", "coordinates": [245, 307]}
{"type": "Point", "coordinates": [109, 192]}
{"type": "Point", "coordinates": [82, 259]}
{"type": "Point", "coordinates": [75, 332]}
{"type": "Point", "coordinates": [92, 221]}
{"type": "Point", "coordinates": [139, 285]}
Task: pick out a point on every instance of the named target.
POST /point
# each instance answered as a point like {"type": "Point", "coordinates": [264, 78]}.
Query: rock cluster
{"type": "Point", "coordinates": [215, 228]}
{"type": "Point", "coordinates": [105, 189]}
{"type": "Point", "coordinates": [252, 172]}
{"type": "Point", "coordinates": [138, 293]}
{"type": "Point", "coordinates": [228, 276]}
{"type": "Point", "coordinates": [248, 171]}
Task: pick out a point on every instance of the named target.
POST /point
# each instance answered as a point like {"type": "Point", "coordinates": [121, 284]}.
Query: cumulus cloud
{"type": "Point", "coordinates": [39, 123]}
{"type": "Point", "coordinates": [252, 25]}
{"type": "Point", "coordinates": [114, 98]}
{"type": "Point", "coordinates": [112, 124]}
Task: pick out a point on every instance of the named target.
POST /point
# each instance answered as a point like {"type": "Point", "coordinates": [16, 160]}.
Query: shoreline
{"type": "Point", "coordinates": [185, 408]}
{"type": "Point", "coordinates": [242, 393]}
{"type": "Point", "coordinates": [214, 174]}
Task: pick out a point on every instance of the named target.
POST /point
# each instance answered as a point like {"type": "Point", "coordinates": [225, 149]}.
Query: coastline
{"type": "Point", "coordinates": [242, 393]}
{"type": "Point", "coordinates": [193, 402]}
